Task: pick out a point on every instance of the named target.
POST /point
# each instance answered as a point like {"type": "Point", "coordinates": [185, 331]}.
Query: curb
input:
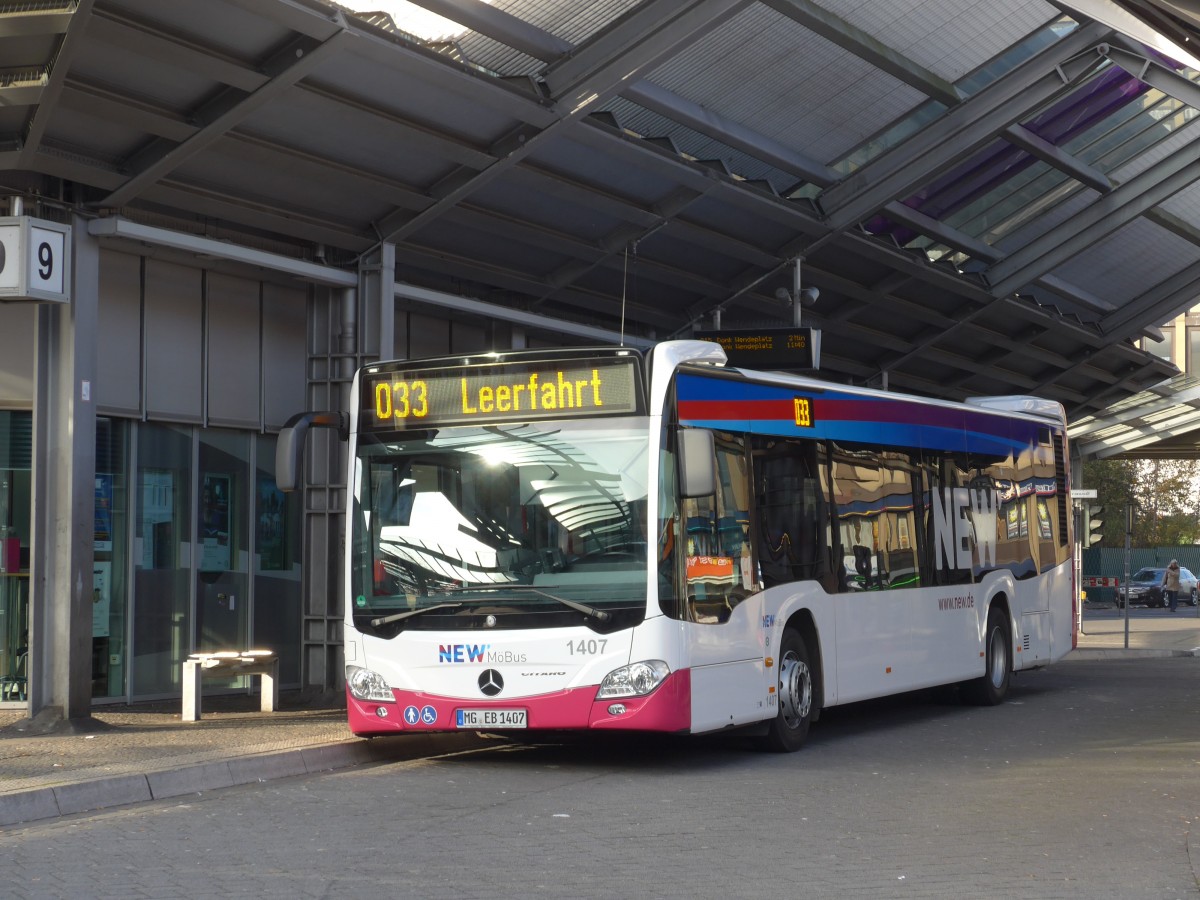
{"type": "Point", "coordinates": [1126, 653]}
{"type": "Point", "coordinates": [122, 790]}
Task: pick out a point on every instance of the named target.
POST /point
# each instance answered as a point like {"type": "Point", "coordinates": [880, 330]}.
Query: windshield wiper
{"type": "Point", "coordinates": [590, 611]}
{"type": "Point", "coordinates": [396, 617]}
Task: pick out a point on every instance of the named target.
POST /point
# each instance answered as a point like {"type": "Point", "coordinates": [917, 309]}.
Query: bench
{"type": "Point", "coordinates": [230, 664]}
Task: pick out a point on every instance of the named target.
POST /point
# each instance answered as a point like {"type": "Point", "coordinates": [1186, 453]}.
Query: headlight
{"type": "Point", "coordinates": [367, 685]}
{"type": "Point", "coordinates": [633, 680]}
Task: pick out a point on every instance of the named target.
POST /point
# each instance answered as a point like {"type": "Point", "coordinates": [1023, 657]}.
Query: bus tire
{"type": "Point", "coordinates": [789, 728]}
{"type": "Point", "coordinates": [992, 687]}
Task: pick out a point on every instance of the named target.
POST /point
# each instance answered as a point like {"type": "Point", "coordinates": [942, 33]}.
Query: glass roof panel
{"type": "Point", "coordinates": [991, 71]}
{"type": "Point", "coordinates": [1108, 121]}
{"type": "Point", "coordinates": [950, 40]}
{"type": "Point", "coordinates": [750, 71]}
{"type": "Point", "coordinates": [573, 21]}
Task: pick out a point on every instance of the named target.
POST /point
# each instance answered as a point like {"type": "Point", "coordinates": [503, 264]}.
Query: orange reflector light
{"type": "Point", "coordinates": [770, 661]}
{"type": "Point", "coordinates": [888, 670]}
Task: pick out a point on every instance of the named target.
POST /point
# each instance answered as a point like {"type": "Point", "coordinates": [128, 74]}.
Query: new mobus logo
{"type": "Point", "coordinates": [461, 653]}
{"type": "Point", "coordinates": [962, 516]}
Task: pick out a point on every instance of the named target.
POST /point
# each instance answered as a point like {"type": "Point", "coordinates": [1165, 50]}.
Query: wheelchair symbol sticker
{"type": "Point", "coordinates": [428, 715]}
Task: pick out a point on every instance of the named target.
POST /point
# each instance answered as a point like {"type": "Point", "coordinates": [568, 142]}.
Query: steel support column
{"type": "Point", "coordinates": [64, 475]}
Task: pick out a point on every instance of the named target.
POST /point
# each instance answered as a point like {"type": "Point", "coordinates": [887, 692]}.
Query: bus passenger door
{"type": "Point", "coordinates": [724, 604]}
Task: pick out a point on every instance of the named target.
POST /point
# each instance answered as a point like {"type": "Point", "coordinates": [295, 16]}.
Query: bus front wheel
{"type": "Point", "coordinates": [992, 688]}
{"type": "Point", "coordinates": [789, 728]}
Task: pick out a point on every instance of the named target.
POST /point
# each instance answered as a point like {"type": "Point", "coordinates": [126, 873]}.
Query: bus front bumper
{"type": "Point", "coordinates": [666, 709]}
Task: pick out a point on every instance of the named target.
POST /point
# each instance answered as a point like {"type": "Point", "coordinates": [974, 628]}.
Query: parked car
{"type": "Point", "coordinates": [1145, 587]}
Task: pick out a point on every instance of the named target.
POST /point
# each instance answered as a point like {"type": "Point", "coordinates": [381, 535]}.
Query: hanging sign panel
{"type": "Point", "coordinates": [34, 263]}
{"type": "Point", "coordinates": [768, 348]}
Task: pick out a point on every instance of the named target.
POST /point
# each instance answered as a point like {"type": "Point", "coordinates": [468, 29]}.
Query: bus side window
{"type": "Point", "coordinates": [719, 565]}
{"type": "Point", "coordinates": [788, 503]}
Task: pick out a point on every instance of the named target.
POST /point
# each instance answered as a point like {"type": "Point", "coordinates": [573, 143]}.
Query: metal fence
{"type": "Point", "coordinates": [1100, 562]}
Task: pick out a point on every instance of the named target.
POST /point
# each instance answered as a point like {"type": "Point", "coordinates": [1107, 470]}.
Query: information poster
{"type": "Point", "coordinates": [158, 509]}
{"type": "Point", "coordinates": [272, 543]}
{"type": "Point", "coordinates": [101, 597]}
{"type": "Point", "coordinates": [214, 524]}
{"type": "Point", "coordinates": [103, 526]}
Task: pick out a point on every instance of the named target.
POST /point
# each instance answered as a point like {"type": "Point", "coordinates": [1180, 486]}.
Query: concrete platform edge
{"type": "Point", "coordinates": [1125, 653]}
{"type": "Point", "coordinates": [23, 807]}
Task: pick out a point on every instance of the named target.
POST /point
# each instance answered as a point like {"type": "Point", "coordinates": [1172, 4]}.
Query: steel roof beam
{"type": "Point", "coordinates": [286, 67]}
{"type": "Point", "coordinates": [106, 103]}
{"type": "Point", "coordinates": [940, 231]}
{"type": "Point", "coordinates": [1162, 302]}
{"type": "Point", "coordinates": [315, 18]}
{"type": "Point", "coordinates": [1145, 407]}
{"type": "Point", "coordinates": [517, 316]}
{"type": "Point", "coordinates": [596, 71]}
{"type": "Point", "coordinates": [23, 86]}
{"type": "Point", "coordinates": [690, 174]}
{"type": "Point", "coordinates": [694, 116]}
{"type": "Point", "coordinates": [631, 46]}
{"type": "Point", "coordinates": [544, 46]}
{"type": "Point", "coordinates": [98, 100]}
{"type": "Point", "coordinates": [1075, 294]}
{"type": "Point", "coordinates": [857, 42]}
{"type": "Point", "coordinates": [967, 127]}
{"type": "Point", "coordinates": [1175, 225]}
{"type": "Point", "coordinates": [177, 51]}
{"type": "Point", "coordinates": [150, 42]}
{"type": "Point", "coordinates": [1155, 74]}
{"type": "Point", "coordinates": [590, 302]}
{"type": "Point", "coordinates": [118, 227]}
{"type": "Point", "coordinates": [1134, 437]}
{"type": "Point", "coordinates": [68, 49]}
{"type": "Point", "coordinates": [1052, 155]}
{"type": "Point", "coordinates": [37, 21]}
{"type": "Point", "coordinates": [1144, 191]}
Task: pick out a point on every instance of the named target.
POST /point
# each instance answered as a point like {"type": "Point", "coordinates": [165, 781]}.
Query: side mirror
{"type": "Point", "coordinates": [289, 447]}
{"type": "Point", "coordinates": [697, 462]}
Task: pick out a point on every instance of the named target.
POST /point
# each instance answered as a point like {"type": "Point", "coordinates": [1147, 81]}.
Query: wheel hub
{"type": "Point", "coordinates": [795, 689]}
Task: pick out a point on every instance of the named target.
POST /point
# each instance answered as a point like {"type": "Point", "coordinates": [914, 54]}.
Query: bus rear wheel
{"type": "Point", "coordinates": [789, 728]}
{"type": "Point", "coordinates": [992, 688]}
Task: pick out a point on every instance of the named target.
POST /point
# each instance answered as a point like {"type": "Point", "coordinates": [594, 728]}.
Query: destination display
{"type": "Point", "coordinates": [768, 348]}
{"type": "Point", "coordinates": [526, 391]}
{"type": "Point", "coordinates": [803, 407]}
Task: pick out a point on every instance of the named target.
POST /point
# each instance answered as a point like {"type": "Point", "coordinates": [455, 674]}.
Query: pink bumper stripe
{"type": "Point", "coordinates": [668, 709]}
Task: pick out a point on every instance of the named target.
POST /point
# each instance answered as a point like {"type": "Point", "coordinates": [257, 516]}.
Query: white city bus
{"type": "Point", "coordinates": [601, 539]}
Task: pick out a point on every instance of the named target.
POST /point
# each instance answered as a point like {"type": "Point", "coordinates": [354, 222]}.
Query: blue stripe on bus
{"type": "Point", "coordinates": [768, 409]}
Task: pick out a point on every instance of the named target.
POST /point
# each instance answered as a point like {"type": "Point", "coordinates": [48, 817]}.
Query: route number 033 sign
{"type": "Point", "coordinates": [34, 262]}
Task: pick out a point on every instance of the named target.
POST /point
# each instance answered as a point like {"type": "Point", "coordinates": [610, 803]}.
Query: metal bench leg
{"type": "Point", "coordinates": [270, 687]}
{"type": "Point", "coordinates": [191, 691]}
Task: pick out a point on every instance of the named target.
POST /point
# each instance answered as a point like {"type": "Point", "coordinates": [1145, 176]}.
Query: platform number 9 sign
{"type": "Point", "coordinates": [45, 263]}
{"type": "Point", "coordinates": [33, 260]}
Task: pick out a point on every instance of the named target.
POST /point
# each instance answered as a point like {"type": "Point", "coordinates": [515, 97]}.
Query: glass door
{"type": "Point", "coordinates": [223, 542]}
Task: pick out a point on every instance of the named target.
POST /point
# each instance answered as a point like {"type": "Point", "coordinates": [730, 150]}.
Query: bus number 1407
{"type": "Point", "coordinates": [583, 647]}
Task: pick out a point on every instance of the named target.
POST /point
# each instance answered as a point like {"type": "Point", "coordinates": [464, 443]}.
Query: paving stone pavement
{"type": "Point", "coordinates": [128, 754]}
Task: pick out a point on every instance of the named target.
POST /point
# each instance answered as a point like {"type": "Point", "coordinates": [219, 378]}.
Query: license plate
{"type": "Point", "coordinates": [491, 718]}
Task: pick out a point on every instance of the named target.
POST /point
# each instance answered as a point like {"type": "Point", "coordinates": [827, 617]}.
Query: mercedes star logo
{"type": "Point", "coordinates": [490, 682]}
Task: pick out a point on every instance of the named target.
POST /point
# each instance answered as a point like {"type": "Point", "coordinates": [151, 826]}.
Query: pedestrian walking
{"type": "Point", "coordinates": [1170, 584]}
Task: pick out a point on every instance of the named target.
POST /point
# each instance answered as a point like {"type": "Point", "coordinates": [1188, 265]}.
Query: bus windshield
{"type": "Point", "coordinates": [505, 526]}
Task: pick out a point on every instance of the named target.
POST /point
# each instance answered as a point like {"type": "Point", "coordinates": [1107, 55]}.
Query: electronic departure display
{"type": "Point", "coordinates": [768, 348]}
{"type": "Point", "coordinates": [505, 392]}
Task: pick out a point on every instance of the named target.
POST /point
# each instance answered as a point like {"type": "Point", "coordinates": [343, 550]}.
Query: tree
{"type": "Point", "coordinates": [1165, 494]}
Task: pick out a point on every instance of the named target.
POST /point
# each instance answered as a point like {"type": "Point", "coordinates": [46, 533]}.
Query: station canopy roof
{"type": "Point", "coordinates": [991, 196]}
